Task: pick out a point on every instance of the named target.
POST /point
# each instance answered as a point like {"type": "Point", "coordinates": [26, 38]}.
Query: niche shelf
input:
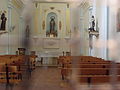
{"type": "Point", "coordinates": [3, 32]}
{"type": "Point", "coordinates": [96, 33]}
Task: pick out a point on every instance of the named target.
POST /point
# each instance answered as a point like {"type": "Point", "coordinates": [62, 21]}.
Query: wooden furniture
{"type": "Point", "coordinates": [88, 69]}
{"type": "Point", "coordinates": [12, 67]}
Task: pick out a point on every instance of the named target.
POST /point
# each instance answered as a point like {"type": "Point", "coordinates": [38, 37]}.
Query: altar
{"type": "Point", "coordinates": [52, 32]}
{"type": "Point", "coordinates": [48, 59]}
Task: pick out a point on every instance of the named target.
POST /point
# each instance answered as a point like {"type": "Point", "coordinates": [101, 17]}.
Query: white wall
{"type": "Point", "coordinates": [11, 40]}
{"type": "Point", "coordinates": [83, 24]}
{"type": "Point", "coordinates": [3, 38]}
{"type": "Point", "coordinates": [113, 52]}
{"type": "Point", "coordinates": [99, 43]}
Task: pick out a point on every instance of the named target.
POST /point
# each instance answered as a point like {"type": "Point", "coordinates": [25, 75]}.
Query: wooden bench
{"type": "Point", "coordinates": [96, 79]}
{"type": "Point", "coordinates": [88, 65]}
{"type": "Point", "coordinates": [12, 67]}
{"type": "Point", "coordinates": [10, 74]}
{"type": "Point", "coordinates": [89, 69]}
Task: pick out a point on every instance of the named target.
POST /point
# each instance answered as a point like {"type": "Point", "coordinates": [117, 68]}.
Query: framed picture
{"type": "Point", "coordinates": [118, 20]}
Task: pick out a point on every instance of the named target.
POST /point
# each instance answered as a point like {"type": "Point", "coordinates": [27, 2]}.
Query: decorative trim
{"type": "Point", "coordinates": [3, 32]}
{"type": "Point", "coordinates": [59, 11]}
{"type": "Point", "coordinates": [36, 5]}
{"type": "Point", "coordinates": [51, 43]}
{"type": "Point", "coordinates": [60, 25]}
{"type": "Point", "coordinates": [14, 5]}
{"type": "Point", "coordinates": [85, 4]}
{"type": "Point", "coordinates": [52, 8]}
{"type": "Point", "coordinates": [96, 33]}
{"type": "Point", "coordinates": [43, 25]}
{"type": "Point", "coordinates": [68, 5]}
{"type": "Point", "coordinates": [2, 11]}
{"type": "Point", "coordinates": [18, 3]}
{"type": "Point", "coordinates": [45, 10]}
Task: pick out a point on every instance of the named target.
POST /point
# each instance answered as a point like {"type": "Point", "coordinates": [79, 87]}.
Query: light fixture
{"type": "Point", "coordinates": [35, 38]}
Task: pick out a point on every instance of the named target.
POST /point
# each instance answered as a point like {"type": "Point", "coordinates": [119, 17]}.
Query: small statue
{"type": "Point", "coordinates": [3, 22]}
{"type": "Point", "coordinates": [92, 24]}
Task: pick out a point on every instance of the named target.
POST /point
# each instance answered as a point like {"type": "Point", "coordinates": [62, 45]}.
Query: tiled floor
{"type": "Point", "coordinates": [42, 78]}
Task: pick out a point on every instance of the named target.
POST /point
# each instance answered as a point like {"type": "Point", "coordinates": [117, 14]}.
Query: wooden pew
{"type": "Point", "coordinates": [90, 69]}
{"type": "Point", "coordinates": [9, 74]}
{"type": "Point", "coordinates": [90, 75]}
{"type": "Point", "coordinates": [88, 65]}
{"type": "Point", "coordinates": [13, 66]}
{"type": "Point", "coordinates": [63, 60]}
{"type": "Point", "coordinates": [96, 79]}
{"type": "Point", "coordinates": [32, 61]}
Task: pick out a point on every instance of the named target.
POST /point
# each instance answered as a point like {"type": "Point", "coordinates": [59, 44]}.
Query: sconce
{"type": "Point", "coordinates": [12, 28]}
{"type": "Point", "coordinates": [96, 33]}
{"type": "Point", "coordinates": [3, 32]}
{"type": "Point", "coordinates": [35, 38]}
{"type": "Point", "coordinates": [91, 34]}
{"type": "Point", "coordinates": [67, 39]}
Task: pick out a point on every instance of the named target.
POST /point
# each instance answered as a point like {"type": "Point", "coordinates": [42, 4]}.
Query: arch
{"type": "Point", "coordinates": [52, 24]}
{"type": "Point", "coordinates": [45, 19]}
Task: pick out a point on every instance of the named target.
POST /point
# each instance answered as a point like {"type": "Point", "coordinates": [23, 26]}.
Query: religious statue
{"type": "Point", "coordinates": [52, 25]}
{"type": "Point", "coordinates": [3, 22]}
{"type": "Point", "coordinates": [92, 24]}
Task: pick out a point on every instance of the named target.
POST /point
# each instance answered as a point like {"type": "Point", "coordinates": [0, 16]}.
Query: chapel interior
{"type": "Point", "coordinates": [59, 45]}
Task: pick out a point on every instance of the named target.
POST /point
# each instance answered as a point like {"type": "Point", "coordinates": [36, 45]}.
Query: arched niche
{"type": "Point", "coordinates": [52, 25]}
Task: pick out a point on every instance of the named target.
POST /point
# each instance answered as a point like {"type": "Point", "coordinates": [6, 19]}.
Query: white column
{"type": "Point", "coordinates": [75, 35]}
{"type": "Point", "coordinates": [101, 15]}
{"type": "Point", "coordinates": [9, 24]}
